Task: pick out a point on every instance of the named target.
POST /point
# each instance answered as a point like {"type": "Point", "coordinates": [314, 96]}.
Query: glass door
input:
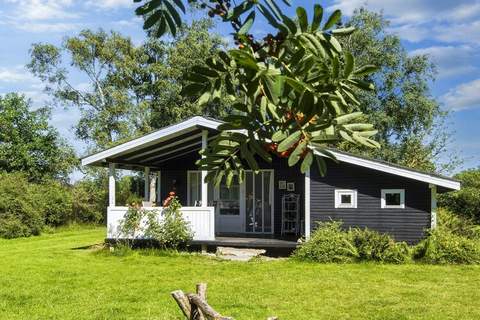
{"type": "Point", "coordinates": [228, 209]}
{"type": "Point", "coordinates": [259, 201]}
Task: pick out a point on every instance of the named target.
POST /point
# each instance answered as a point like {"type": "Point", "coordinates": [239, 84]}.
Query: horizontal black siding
{"type": "Point", "coordinates": [407, 224]}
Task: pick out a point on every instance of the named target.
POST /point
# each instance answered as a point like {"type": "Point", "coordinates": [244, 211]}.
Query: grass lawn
{"type": "Point", "coordinates": [52, 277]}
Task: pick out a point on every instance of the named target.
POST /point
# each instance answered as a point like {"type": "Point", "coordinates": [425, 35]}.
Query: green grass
{"type": "Point", "coordinates": [53, 277]}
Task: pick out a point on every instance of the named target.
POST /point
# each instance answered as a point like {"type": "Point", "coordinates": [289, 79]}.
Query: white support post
{"type": "Point", "coordinates": [433, 206]}
{"type": "Point", "coordinates": [204, 172]}
{"type": "Point", "coordinates": [307, 204]}
{"type": "Point", "coordinates": [159, 187]}
{"type": "Point", "coordinates": [111, 184]}
{"type": "Point", "coordinates": [147, 184]}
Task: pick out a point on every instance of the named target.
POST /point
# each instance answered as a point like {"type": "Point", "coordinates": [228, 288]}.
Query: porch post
{"type": "Point", "coordinates": [159, 187]}
{"type": "Point", "coordinates": [111, 184]}
{"type": "Point", "coordinates": [146, 196]}
{"type": "Point", "coordinates": [204, 172]}
{"type": "Point", "coordinates": [153, 185]}
{"type": "Point", "coordinates": [307, 204]}
{"type": "Point", "coordinates": [433, 206]}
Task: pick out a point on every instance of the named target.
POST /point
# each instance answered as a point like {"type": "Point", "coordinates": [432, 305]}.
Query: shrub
{"type": "Point", "coordinates": [19, 216]}
{"type": "Point", "coordinates": [458, 225]}
{"type": "Point", "coordinates": [328, 243]}
{"type": "Point", "coordinates": [89, 201]}
{"type": "Point", "coordinates": [374, 246]}
{"type": "Point", "coordinates": [54, 202]}
{"type": "Point", "coordinates": [465, 202]}
{"type": "Point", "coordinates": [443, 247]}
{"type": "Point", "coordinates": [172, 231]}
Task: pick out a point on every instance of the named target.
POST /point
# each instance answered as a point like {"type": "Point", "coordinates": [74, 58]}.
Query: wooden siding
{"type": "Point", "coordinates": [406, 224]}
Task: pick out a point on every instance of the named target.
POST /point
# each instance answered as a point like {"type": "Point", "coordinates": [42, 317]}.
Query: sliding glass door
{"type": "Point", "coordinates": [259, 201]}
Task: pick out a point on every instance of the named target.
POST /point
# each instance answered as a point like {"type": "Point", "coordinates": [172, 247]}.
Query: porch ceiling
{"type": "Point", "coordinates": [155, 155]}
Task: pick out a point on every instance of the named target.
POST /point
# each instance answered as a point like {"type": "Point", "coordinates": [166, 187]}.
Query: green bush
{"type": "Point", "coordinates": [445, 247]}
{"type": "Point", "coordinates": [19, 216]}
{"type": "Point", "coordinates": [458, 225]}
{"type": "Point", "coordinates": [172, 231]}
{"type": "Point", "coordinates": [380, 247]}
{"type": "Point", "coordinates": [328, 243]}
{"type": "Point", "coordinates": [54, 202]}
{"type": "Point", "coordinates": [89, 201]}
{"type": "Point", "coordinates": [466, 201]}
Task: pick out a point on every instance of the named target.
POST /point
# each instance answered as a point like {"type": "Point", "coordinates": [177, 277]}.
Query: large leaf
{"type": "Point", "coordinates": [248, 23]}
{"type": "Point", "coordinates": [334, 18]}
{"type": "Point", "coordinates": [288, 142]}
{"type": "Point", "coordinates": [317, 17]}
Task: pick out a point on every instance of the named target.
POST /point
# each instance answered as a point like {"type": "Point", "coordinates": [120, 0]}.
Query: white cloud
{"type": "Point", "coordinates": [464, 96]}
{"type": "Point", "coordinates": [110, 4]}
{"type": "Point", "coordinates": [14, 74]}
{"type": "Point", "coordinates": [456, 21]}
{"type": "Point", "coordinates": [35, 10]}
{"type": "Point", "coordinates": [452, 60]}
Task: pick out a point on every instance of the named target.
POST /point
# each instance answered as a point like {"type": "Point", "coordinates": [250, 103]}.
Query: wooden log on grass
{"type": "Point", "coordinates": [195, 306]}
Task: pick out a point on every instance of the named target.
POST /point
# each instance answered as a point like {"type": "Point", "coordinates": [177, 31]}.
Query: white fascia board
{"type": "Point", "coordinates": [158, 135]}
{"type": "Point", "coordinates": [424, 177]}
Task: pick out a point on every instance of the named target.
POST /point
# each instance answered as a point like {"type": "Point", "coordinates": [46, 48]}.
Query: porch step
{"type": "Point", "coordinates": [238, 254]}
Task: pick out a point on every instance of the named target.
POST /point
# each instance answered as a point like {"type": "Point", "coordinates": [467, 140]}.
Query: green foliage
{"type": "Point", "coordinates": [19, 216]}
{"type": "Point", "coordinates": [411, 124]}
{"type": "Point", "coordinates": [445, 247]}
{"type": "Point", "coordinates": [380, 247]}
{"type": "Point", "coordinates": [466, 201]}
{"type": "Point", "coordinates": [167, 227]}
{"type": "Point", "coordinates": [54, 201]}
{"type": "Point", "coordinates": [329, 243]}
{"type": "Point", "coordinates": [458, 224]}
{"type": "Point", "coordinates": [89, 201]}
{"type": "Point", "coordinates": [133, 89]}
{"type": "Point", "coordinates": [174, 230]}
{"type": "Point", "coordinates": [29, 144]}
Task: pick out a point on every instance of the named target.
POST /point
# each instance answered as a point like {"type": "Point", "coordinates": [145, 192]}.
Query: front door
{"type": "Point", "coordinates": [229, 209]}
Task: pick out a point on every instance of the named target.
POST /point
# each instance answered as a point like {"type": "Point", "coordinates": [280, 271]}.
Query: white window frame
{"type": "Point", "coordinates": [402, 199]}
{"type": "Point", "coordinates": [338, 198]}
{"type": "Point", "coordinates": [197, 172]}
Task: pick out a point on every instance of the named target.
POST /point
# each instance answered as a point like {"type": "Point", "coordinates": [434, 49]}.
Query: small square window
{"type": "Point", "coordinates": [393, 198]}
{"type": "Point", "coordinates": [345, 198]}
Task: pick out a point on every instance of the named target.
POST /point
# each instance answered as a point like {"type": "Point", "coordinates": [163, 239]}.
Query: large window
{"type": "Point", "coordinates": [345, 198]}
{"type": "Point", "coordinates": [393, 198]}
{"type": "Point", "coordinates": [194, 188]}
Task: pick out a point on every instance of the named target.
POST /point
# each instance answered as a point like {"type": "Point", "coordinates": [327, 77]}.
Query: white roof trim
{"type": "Point", "coordinates": [157, 136]}
{"type": "Point", "coordinates": [403, 172]}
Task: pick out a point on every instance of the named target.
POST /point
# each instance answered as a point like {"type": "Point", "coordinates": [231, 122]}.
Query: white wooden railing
{"type": "Point", "coordinates": [201, 221]}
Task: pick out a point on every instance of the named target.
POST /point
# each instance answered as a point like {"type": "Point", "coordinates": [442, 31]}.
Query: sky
{"type": "Point", "coordinates": [447, 30]}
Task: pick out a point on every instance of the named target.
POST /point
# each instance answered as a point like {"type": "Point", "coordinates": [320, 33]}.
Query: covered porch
{"type": "Point", "coordinates": [245, 215]}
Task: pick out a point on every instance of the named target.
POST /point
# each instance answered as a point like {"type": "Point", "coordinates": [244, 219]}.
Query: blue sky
{"type": "Point", "coordinates": [447, 30]}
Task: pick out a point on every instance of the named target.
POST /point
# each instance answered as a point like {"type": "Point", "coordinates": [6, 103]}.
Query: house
{"type": "Point", "coordinates": [279, 202]}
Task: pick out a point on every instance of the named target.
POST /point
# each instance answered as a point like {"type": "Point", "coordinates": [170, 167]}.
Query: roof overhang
{"type": "Point", "coordinates": [396, 170]}
{"type": "Point", "coordinates": [183, 138]}
{"type": "Point", "coordinates": [188, 130]}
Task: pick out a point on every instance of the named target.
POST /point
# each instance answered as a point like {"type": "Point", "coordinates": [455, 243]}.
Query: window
{"type": "Point", "coordinates": [229, 200]}
{"type": "Point", "coordinates": [393, 198]}
{"type": "Point", "coordinates": [194, 188]}
{"type": "Point", "coordinates": [345, 198]}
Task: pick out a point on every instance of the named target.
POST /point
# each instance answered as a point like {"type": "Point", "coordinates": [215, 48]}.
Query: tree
{"type": "Point", "coordinates": [295, 91]}
{"type": "Point", "coordinates": [465, 202]}
{"type": "Point", "coordinates": [130, 89]}
{"type": "Point", "coordinates": [409, 120]}
{"type": "Point", "coordinates": [29, 144]}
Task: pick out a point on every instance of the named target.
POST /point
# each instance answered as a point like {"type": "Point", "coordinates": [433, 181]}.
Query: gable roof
{"type": "Point", "coordinates": [195, 123]}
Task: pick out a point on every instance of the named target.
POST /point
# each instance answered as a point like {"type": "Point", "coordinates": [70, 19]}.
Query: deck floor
{"type": "Point", "coordinates": [247, 242]}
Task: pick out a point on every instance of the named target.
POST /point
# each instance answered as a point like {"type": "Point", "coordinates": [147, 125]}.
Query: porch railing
{"type": "Point", "coordinates": [201, 221]}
